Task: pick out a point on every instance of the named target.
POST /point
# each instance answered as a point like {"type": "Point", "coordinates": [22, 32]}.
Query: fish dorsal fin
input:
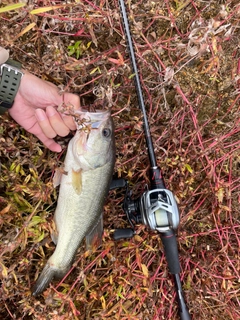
{"type": "Point", "coordinates": [77, 180]}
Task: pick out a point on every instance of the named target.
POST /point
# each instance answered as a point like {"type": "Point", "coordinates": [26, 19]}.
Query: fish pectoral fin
{"type": "Point", "coordinates": [94, 238]}
{"type": "Point", "coordinates": [77, 180]}
{"type": "Point", "coordinates": [58, 176]}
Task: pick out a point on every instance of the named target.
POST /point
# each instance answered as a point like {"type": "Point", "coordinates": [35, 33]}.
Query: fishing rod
{"type": "Point", "coordinates": [157, 207]}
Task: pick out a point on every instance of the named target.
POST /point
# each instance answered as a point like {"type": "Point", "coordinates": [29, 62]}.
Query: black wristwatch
{"type": "Point", "coordinates": [11, 76]}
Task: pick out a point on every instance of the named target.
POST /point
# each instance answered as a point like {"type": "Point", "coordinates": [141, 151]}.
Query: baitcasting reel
{"type": "Point", "coordinates": [157, 209]}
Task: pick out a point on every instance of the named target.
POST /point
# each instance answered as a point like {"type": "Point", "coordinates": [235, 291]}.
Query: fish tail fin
{"type": "Point", "coordinates": [48, 273]}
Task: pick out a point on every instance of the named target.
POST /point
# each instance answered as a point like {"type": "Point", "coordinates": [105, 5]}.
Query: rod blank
{"type": "Point", "coordinates": [138, 86]}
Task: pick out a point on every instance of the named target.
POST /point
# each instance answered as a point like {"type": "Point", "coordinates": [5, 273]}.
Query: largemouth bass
{"type": "Point", "coordinates": [84, 185]}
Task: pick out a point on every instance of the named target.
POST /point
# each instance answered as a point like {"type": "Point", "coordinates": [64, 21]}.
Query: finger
{"type": "Point", "coordinates": [69, 99]}
{"type": "Point", "coordinates": [69, 121]}
{"type": "Point", "coordinates": [45, 124]}
{"type": "Point", "coordinates": [72, 100]}
{"type": "Point", "coordinates": [57, 122]}
{"type": "Point", "coordinates": [49, 143]}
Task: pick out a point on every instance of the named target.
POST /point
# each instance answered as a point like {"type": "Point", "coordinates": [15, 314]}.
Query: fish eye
{"type": "Point", "coordinates": [106, 132]}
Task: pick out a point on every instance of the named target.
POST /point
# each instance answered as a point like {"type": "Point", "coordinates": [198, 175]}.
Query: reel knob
{"type": "Point", "coordinates": [126, 233]}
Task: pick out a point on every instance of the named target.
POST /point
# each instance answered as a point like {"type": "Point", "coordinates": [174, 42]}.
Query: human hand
{"type": "Point", "coordinates": [35, 109]}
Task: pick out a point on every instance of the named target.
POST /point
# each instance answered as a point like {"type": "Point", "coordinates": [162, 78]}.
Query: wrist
{"type": "Point", "coordinates": [11, 74]}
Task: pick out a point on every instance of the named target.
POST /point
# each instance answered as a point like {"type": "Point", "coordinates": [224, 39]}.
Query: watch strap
{"type": "Point", "coordinates": [4, 107]}
{"type": "Point", "coordinates": [9, 83]}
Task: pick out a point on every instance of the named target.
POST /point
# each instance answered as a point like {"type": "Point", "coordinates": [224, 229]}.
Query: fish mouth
{"type": "Point", "coordinates": [86, 122]}
{"type": "Point", "coordinates": [90, 120]}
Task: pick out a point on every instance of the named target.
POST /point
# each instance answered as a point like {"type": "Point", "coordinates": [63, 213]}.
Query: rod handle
{"type": "Point", "coordinates": [171, 251]}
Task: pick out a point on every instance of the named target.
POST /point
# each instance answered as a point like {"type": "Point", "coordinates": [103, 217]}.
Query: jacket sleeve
{"type": "Point", "coordinates": [4, 55]}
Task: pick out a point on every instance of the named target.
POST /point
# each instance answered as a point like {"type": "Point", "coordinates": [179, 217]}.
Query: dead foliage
{"type": "Point", "coordinates": [189, 60]}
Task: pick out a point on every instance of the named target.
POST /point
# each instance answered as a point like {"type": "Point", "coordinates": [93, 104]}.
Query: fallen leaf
{"type": "Point", "coordinates": [45, 9]}
{"type": "Point", "coordinates": [11, 7]}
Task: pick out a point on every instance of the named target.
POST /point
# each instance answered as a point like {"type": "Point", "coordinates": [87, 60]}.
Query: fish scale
{"type": "Point", "coordinates": [88, 169]}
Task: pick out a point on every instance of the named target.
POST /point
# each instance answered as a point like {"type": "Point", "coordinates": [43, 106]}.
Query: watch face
{"type": "Point", "coordinates": [4, 55]}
